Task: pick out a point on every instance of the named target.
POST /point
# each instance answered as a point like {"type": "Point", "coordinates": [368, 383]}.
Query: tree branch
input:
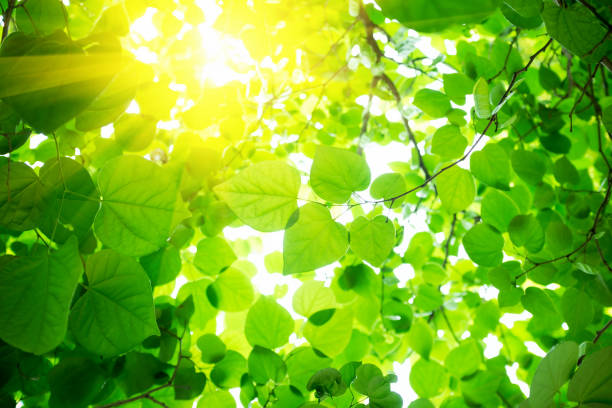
{"type": "Point", "coordinates": [6, 17]}
{"type": "Point", "coordinates": [147, 394]}
{"type": "Point", "coordinates": [398, 101]}
{"type": "Point", "coordinates": [479, 138]}
{"type": "Point", "coordinates": [596, 14]}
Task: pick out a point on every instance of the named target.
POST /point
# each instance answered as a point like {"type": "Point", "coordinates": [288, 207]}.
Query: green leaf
{"type": "Point", "coordinates": [337, 173]}
{"type": "Point", "coordinates": [212, 348]}
{"type": "Point", "coordinates": [428, 378]}
{"type": "Point", "coordinates": [313, 297]}
{"type": "Point", "coordinates": [140, 372]}
{"type": "Point", "coordinates": [268, 324]}
{"type": "Point", "coordinates": [428, 298]}
{"type": "Point", "coordinates": [333, 336]}
{"type": "Point", "coordinates": [548, 78]}
{"type": "Point", "coordinates": [188, 384]}
{"type": "Point", "coordinates": [40, 16]}
{"type": "Point", "coordinates": [422, 15]}
{"type": "Point", "coordinates": [20, 195]}
{"type": "Point", "coordinates": [607, 117]}
{"type": "Point", "coordinates": [59, 85]}
{"type": "Point", "coordinates": [464, 359]}
{"type": "Point", "coordinates": [519, 20]}
{"type": "Point", "coordinates": [213, 256]}
{"type": "Point", "coordinates": [592, 383]}
{"type": "Point", "coordinates": [372, 240]}
{"type": "Point", "coordinates": [526, 8]}
{"type": "Point", "coordinates": [482, 104]}
{"type": "Point", "coordinates": [526, 231]}
{"type": "Point", "coordinates": [497, 209]}
{"type": "Point", "coordinates": [116, 313]}
{"type": "Point", "coordinates": [545, 315]}
{"type": "Point", "coordinates": [313, 241]}
{"type": "Point", "coordinates": [204, 311]}
{"type": "Point", "coordinates": [134, 132]}
{"type": "Point", "coordinates": [420, 338]}
{"type": "Point", "coordinates": [456, 86]}
{"type": "Point", "coordinates": [227, 372]}
{"type": "Point", "coordinates": [326, 382]}
{"type": "Point", "coordinates": [366, 375]}
{"type": "Point", "coordinates": [456, 189]}
{"type": "Point", "coordinates": [434, 273]}
{"type": "Point", "coordinates": [138, 205]}
{"type": "Point", "coordinates": [565, 172]}
{"type": "Point", "coordinates": [75, 382]}
{"type": "Point", "coordinates": [162, 266]}
{"type": "Point", "coordinates": [217, 399]}
{"type": "Point", "coordinates": [558, 237]}
{"type": "Point", "coordinates": [484, 245]}
{"type": "Point", "coordinates": [491, 165]}
{"type": "Point", "coordinates": [232, 291]}
{"type": "Point", "coordinates": [577, 29]}
{"type": "Point", "coordinates": [35, 296]}
{"type": "Point", "coordinates": [433, 103]}
{"type": "Point", "coordinates": [263, 195]}
{"type": "Point", "coordinates": [448, 142]}
{"type": "Point", "coordinates": [387, 186]}
{"type": "Point", "coordinates": [577, 309]}
{"type": "Point", "coordinates": [553, 371]}
{"type": "Point", "coordinates": [302, 363]}
{"type": "Point", "coordinates": [71, 199]}
{"type": "Point", "coordinates": [528, 165]}
{"type": "Point", "coordinates": [264, 365]}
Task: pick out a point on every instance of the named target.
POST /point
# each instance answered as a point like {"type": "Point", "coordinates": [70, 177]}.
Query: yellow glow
{"type": "Point", "coordinates": [220, 53]}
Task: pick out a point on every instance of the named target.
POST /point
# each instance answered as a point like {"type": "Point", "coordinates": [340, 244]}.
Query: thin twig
{"type": "Point", "coordinates": [580, 97]}
{"type": "Point", "coordinates": [479, 138]}
{"type": "Point", "coordinates": [503, 69]}
{"type": "Point", "coordinates": [398, 101]}
{"type": "Point", "coordinates": [598, 335]}
{"type": "Point", "coordinates": [448, 240]}
{"type": "Point", "coordinates": [6, 17]}
{"type": "Point", "coordinates": [596, 14]}
{"type": "Point", "coordinates": [367, 113]}
{"type": "Point", "coordinates": [147, 394]}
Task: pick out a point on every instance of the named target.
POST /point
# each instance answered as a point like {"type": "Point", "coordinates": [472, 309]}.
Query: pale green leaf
{"type": "Point", "coordinates": [337, 173]}
{"type": "Point", "coordinates": [482, 104]}
{"type": "Point", "coordinates": [456, 189]}
{"type": "Point", "coordinates": [263, 195]}
{"type": "Point", "coordinates": [138, 205]}
{"type": "Point", "coordinates": [35, 296]}
{"type": "Point", "coordinates": [484, 245]}
{"type": "Point", "coordinates": [372, 240]}
{"type": "Point", "coordinates": [315, 240]}
{"type": "Point", "coordinates": [116, 312]}
{"type": "Point", "coordinates": [268, 324]}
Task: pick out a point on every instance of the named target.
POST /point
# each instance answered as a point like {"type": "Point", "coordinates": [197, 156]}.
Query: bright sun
{"type": "Point", "coordinates": [219, 56]}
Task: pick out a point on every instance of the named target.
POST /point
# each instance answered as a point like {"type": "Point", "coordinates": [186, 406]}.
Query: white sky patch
{"type": "Point", "coordinates": [508, 319]}
{"type": "Point", "coordinates": [180, 281]}
{"type": "Point", "coordinates": [144, 26]}
{"type": "Point", "coordinates": [133, 107]}
{"type": "Point", "coordinates": [487, 292]}
{"type": "Point", "coordinates": [145, 55]}
{"type": "Point", "coordinates": [36, 140]}
{"type": "Point", "coordinates": [533, 348]}
{"type": "Point", "coordinates": [107, 131]}
{"type": "Point", "coordinates": [402, 386]}
{"type": "Point", "coordinates": [511, 372]}
{"type": "Point", "coordinates": [493, 346]}
{"type": "Point", "coordinates": [404, 273]}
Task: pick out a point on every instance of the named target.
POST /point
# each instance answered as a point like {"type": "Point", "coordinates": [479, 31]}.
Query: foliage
{"type": "Point", "coordinates": [153, 150]}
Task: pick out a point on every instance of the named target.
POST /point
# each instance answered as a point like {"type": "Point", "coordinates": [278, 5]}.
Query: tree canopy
{"type": "Point", "coordinates": [305, 203]}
